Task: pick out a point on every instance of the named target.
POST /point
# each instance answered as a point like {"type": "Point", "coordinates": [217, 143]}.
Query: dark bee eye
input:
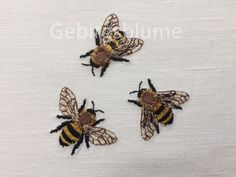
{"type": "Point", "coordinates": [117, 36]}
{"type": "Point", "coordinates": [122, 33]}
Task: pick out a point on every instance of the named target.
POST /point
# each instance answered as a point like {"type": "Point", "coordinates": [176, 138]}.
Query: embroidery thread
{"type": "Point", "coordinates": [157, 107]}
{"type": "Point", "coordinates": [81, 124]}
{"type": "Point", "coordinates": [111, 45]}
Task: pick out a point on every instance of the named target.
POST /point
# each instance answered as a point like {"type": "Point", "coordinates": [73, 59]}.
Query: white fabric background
{"type": "Point", "coordinates": [34, 67]}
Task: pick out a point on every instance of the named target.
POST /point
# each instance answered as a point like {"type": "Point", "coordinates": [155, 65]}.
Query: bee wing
{"type": "Point", "coordinates": [109, 27]}
{"type": "Point", "coordinates": [146, 126]}
{"type": "Point", "coordinates": [173, 98]}
{"type": "Point", "coordinates": [127, 46]}
{"type": "Point", "coordinates": [101, 136]}
{"type": "Point", "coordinates": [68, 104]}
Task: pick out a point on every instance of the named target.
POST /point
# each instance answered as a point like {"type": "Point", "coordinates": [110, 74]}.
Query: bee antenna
{"type": "Point", "coordinates": [139, 87]}
{"type": "Point", "coordinates": [93, 104]}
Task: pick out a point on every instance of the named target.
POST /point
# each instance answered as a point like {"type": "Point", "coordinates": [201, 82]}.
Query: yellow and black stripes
{"type": "Point", "coordinates": [70, 134]}
{"type": "Point", "coordinates": [164, 115]}
{"type": "Point", "coordinates": [108, 48]}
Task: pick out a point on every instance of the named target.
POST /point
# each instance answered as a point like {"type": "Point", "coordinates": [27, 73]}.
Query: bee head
{"type": "Point", "coordinates": [118, 35]}
{"type": "Point", "coordinates": [93, 111]}
{"type": "Point", "coordinates": [122, 33]}
{"type": "Point", "coordinates": [139, 91]}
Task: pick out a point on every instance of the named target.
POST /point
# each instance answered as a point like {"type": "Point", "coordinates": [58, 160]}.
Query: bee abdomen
{"type": "Point", "coordinates": [69, 135]}
{"type": "Point", "coordinates": [166, 116]}
{"type": "Point", "coordinates": [62, 141]}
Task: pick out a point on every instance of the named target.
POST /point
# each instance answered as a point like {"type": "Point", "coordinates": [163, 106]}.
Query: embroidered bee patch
{"type": "Point", "coordinates": [112, 45]}
{"type": "Point", "coordinates": [157, 107]}
{"type": "Point", "coordinates": [81, 123]}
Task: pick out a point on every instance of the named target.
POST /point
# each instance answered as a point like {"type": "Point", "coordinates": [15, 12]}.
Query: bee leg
{"type": "Point", "coordinates": [97, 39]}
{"type": "Point", "coordinates": [82, 106]}
{"type": "Point", "coordinates": [86, 64]}
{"type": "Point", "coordinates": [60, 127]}
{"type": "Point", "coordinates": [155, 123]}
{"type": "Point", "coordinates": [87, 54]}
{"type": "Point", "coordinates": [173, 105]}
{"type": "Point", "coordinates": [119, 59]}
{"type": "Point", "coordinates": [63, 117]}
{"type": "Point", "coordinates": [151, 85]}
{"type": "Point", "coordinates": [92, 70]}
{"type": "Point", "coordinates": [178, 107]}
{"type": "Point", "coordinates": [97, 122]}
{"type": "Point", "coordinates": [99, 110]}
{"type": "Point", "coordinates": [77, 144]}
{"type": "Point", "coordinates": [103, 70]}
{"type": "Point", "coordinates": [156, 126]}
{"type": "Point", "coordinates": [135, 102]}
{"type": "Point", "coordinates": [86, 138]}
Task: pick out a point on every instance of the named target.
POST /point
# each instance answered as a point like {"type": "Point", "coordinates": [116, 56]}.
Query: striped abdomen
{"type": "Point", "coordinates": [164, 114]}
{"type": "Point", "coordinates": [70, 134]}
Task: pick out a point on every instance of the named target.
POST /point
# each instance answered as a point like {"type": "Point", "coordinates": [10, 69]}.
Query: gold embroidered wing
{"type": "Point", "coordinates": [101, 136]}
{"type": "Point", "coordinates": [109, 27]}
{"type": "Point", "coordinates": [146, 125]}
{"type": "Point", "coordinates": [68, 104]}
{"type": "Point", "coordinates": [173, 98]}
{"type": "Point", "coordinates": [127, 46]}
{"type": "Point", "coordinates": [110, 33]}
